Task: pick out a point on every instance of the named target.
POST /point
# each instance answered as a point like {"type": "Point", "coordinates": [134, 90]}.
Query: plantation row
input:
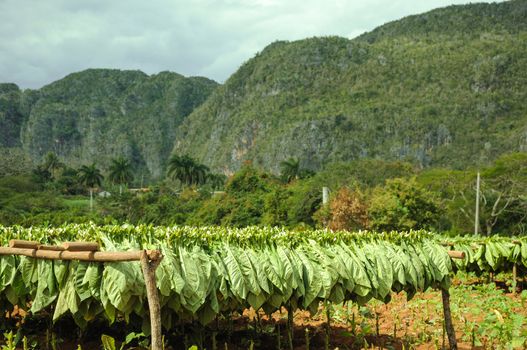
{"type": "Point", "coordinates": [489, 254]}
{"type": "Point", "coordinates": [208, 271]}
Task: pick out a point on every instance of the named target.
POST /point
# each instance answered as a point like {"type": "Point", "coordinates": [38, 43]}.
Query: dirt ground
{"type": "Point", "coordinates": [485, 316]}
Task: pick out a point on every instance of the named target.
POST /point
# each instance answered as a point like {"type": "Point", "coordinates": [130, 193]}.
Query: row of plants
{"type": "Point", "coordinates": [208, 272]}
{"type": "Point", "coordinates": [489, 254]}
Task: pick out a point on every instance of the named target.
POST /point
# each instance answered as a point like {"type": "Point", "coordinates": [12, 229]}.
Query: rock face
{"type": "Point", "coordinates": [11, 116]}
{"type": "Point", "coordinates": [99, 114]}
{"type": "Point", "coordinates": [444, 88]}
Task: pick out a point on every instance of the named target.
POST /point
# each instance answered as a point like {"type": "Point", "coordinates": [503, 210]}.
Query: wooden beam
{"type": "Point", "coordinates": [81, 246]}
{"type": "Point", "coordinates": [81, 256]}
{"type": "Point", "coordinates": [456, 254]}
{"type": "Point", "coordinates": [20, 243]}
{"type": "Point", "coordinates": [50, 247]}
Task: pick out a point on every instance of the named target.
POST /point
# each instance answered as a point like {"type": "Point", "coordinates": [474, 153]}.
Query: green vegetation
{"type": "Point", "coordinates": [444, 88]}
{"type": "Point", "coordinates": [187, 171]}
{"type": "Point", "coordinates": [365, 194]}
{"type": "Point", "coordinates": [91, 177]}
{"type": "Point", "coordinates": [210, 271]}
{"type": "Point", "coordinates": [396, 123]}
{"type": "Point", "coordinates": [99, 114]}
{"type": "Point", "coordinates": [215, 274]}
{"type": "Point", "coordinates": [120, 172]}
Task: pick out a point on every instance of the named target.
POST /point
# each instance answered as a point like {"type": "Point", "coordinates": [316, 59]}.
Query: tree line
{"type": "Point", "coordinates": [365, 194]}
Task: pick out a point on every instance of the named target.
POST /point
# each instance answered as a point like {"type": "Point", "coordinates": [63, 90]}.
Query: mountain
{"type": "Point", "coordinates": [444, 88]}
{"type": "Point", "coordinates": [99, 114]}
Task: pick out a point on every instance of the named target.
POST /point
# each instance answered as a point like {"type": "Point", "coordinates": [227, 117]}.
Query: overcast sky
{"type": "Point", "coordinates": [44, 40]}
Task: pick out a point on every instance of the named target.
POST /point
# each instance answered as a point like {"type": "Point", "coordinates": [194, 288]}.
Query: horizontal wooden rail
{"type": "Point", "coordinates": [456, 254]}
{"type": "Point", "coordinates": [81, 246]}
{"type": "Point", "coordinates": [20, 243]}
{"type": "Point", "coordinates": [82, 255]}
{"type": "Point", "coordinates": [150, 260]}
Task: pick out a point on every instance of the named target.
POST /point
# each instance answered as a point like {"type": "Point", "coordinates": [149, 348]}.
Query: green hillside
{"type": "Point", "coordinates": [99, 114]}
{"type": "Point", "coordinates": [11, 116]}
{"type": "Point", "coordinates": [445, 88]}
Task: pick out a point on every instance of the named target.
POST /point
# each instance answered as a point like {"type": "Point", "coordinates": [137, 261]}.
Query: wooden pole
{"type": "Point", "coordinates": [81, 246]}
{"type": "Point", "coordinates": [476, 216]}
{"type": "Point", "coordinates": [149, 264]}
{"type": "Point", "coordinates": [81, 256]}
{"type": "Point", "coordinates": [325, 195]}
{"type": "Point", "coordinates": [514, 275]}
{"type": "Point", "coordinates": [456, 254]}
{"type": "Point", "coordinates": [445, 294]}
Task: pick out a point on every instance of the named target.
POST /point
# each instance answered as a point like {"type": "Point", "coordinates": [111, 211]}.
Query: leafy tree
{"type": "Point", "coordinates": [348, 210]}
{"type": "Point", "coordinates": [504, 194]}
{"type": "Point", "coordinates": [91, 177]}
{"type": "Point", "coordinates": [120, 172]}
{"type": "Point", "coordinates": [403, 204]}
{"type": "Point", "coordinates": [275, 207]}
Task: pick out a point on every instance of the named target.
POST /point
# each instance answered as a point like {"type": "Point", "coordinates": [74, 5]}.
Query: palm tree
{"type": "Point", "coordinates": [217, 181]}
{"type": "Point", "coordinates": [290, 169]}
{"type": "Point", "coordinates": [120, 172]}
{"type": "Point", "coordinates": [187, 170]}
{"type": "Point", "coordinates": [91, 177]}
{"type": "Point", "coordinates": [199, 173]}
{"type": "Point", "coordinates": [52, 163]}
{"type": "Point", "coordinates": [176, 168]}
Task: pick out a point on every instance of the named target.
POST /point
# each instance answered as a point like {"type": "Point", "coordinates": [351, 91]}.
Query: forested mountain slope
{"type": "Point", "coordinates": [446, 88]}
{"type": "Point", "coordinates": [99, 114]}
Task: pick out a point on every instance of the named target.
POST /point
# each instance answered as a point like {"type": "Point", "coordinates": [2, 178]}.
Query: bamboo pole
{"type": "Point", "coordinates": [149, 264]}
{"type": "Point", "coordinates": [445, 294]}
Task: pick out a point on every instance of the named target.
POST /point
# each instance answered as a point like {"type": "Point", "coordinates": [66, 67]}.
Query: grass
{"type": "Point", "coordinates": [76, 202]}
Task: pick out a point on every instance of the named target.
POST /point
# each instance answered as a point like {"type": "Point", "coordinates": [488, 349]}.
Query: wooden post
{"type": "Point", "coordinates": [476, 216]}
{"type": "Point", "coordinates": [325, 195]}
{"type": "Point", "coordinates": [149, 265]}
{"type": "Point", "coordinates": [445, 294]}
{"type": "Point", "coordinates": [514, 275]}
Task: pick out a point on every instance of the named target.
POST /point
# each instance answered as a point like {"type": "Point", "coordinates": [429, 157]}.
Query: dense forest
{"type": "Point", "coordinates": [365, 194]}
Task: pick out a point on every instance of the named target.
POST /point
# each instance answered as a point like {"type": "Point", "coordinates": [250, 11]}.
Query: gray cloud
{"type": "Point", "coordinates": [42, 41]}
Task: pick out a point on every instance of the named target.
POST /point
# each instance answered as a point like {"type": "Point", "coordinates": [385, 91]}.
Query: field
{"type": "Point", "coordinates": [379, 290]}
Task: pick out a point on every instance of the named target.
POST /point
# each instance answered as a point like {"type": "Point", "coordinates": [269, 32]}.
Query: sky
{"type": "Point", "coordinates": [44, 40]}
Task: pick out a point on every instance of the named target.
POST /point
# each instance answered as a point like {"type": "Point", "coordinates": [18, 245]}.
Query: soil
{"type": "Point", "coordinates": [400, 324]}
